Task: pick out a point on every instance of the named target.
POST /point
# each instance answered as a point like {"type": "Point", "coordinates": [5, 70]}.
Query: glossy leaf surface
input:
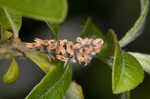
{"type": "Point", "coordinates": [53, 85]}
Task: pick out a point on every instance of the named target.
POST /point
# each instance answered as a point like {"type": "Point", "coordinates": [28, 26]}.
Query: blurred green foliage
{"type": "Point", "coordinates": [123, 71]}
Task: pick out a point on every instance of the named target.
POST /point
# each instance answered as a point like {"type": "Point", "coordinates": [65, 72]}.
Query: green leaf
{"type": "Point", "coordinates": [42, 61]}
{"type": "Point", "coordinates": [137, 28]}
{"type": "Point", "coordinates": [10, 21]}
{"type": "Point", "coordinates": [127, 72]}
{"type": "Point", "coordinates": [53, 85]}
{"type": "Point", "coordinates": [90, 30]}
{"type": "Point", "coordinates": [8, 34]}
{"type": "Point", "coordinates": [109, 45]}
{"type": "Point", "coordinates": [144, 60]}
{"type": "Point", "coordinates": [5, 35]}
{"type": "Point", "coordinates": [54, 29]}
{"type": "Point", "coordinates": [12, 74]}
{"type": "Point", "coordinates": [74, 92]}
{"type": "Point", "coordinates": [51, 10]}
{"type": "Point", "coordinates": [107, 52]}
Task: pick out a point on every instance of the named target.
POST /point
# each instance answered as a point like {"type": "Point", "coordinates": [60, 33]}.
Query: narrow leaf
{"type": "Point", "coordinates": [144, 60]}
{"type": "Point", "coordinates": [54, 29]}
{"type": "Point", "coordinates": [53, 85]}
{"type": "Point", "coordinates": [74, 92]}
{"type": "Point", "coordinates": [127, 72]}
{"type": "Point", "coordinates": [12, 74]}
{"type": "Point", "coordinates": [137, 28]}
{"type": "Point", "coordinates": [10, 21]}
{"type": "Point", "coordinates": [90, 30]}
{"type": "Point", "coordinates": [51, 10]}
{"type": "Point", "coordinates": [42, 61]}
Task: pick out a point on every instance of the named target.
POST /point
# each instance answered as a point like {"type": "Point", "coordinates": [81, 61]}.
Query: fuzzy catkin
{"type": "Point", "coordinates": [82, 51]}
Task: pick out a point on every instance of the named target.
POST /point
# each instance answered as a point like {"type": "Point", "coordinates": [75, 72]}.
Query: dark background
{"type": "Point", "coordinates": [95, 79]}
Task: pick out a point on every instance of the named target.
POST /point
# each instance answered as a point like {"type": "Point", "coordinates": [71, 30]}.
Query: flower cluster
{"type": "Point", "coordinates": [80, 52]}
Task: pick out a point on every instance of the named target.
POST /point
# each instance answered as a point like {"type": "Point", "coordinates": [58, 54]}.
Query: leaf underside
{"type": "Point", "coordinates": [51, 10]}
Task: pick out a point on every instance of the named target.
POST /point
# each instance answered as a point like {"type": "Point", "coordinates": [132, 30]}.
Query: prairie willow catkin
{"type": "Point", "coordinates": [80, 52]}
